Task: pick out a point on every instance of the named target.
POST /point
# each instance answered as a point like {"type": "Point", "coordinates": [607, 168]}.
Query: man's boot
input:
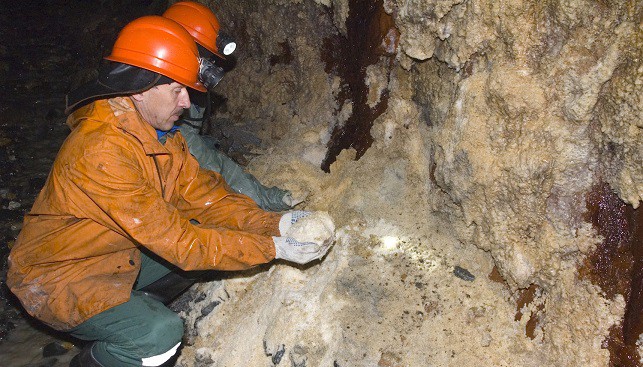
{"type": "Point", "coordinates": [85, 358]}
{"type": "Point", "coordinates": [168, 288]}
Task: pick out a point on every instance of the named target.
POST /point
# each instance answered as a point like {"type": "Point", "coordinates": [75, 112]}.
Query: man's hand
{"type": "Point", "coordinates": [289, 249]}
{"type": "Point", "coordinates": [291, 201]}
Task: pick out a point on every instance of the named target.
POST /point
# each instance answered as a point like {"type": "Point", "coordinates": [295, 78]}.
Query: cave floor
{"type": "Point", "coordinates": [381, 297]}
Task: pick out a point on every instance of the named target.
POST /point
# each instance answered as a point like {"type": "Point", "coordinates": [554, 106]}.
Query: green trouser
{"type": "Point", "coordinates": [133, 333]}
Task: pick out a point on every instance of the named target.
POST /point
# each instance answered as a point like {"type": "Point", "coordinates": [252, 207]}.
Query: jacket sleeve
{"type": "Point", "coordinates": [268, 198]}
{"type": "Point", "coordinates": [206, 197]}
{"type": "Point", "coordinates": [131, 206]}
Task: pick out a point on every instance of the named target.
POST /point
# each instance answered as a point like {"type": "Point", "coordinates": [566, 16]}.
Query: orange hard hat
{"type": "Point", "coordinates": [161, 45]}
{"type": "Point", "coordinates": [200, 22]}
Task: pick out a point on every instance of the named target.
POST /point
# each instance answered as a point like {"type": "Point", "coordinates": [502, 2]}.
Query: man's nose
{"type": "Point", "coordinates": [184, 98]}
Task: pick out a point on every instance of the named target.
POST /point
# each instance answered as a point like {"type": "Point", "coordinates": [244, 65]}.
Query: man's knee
{"type": "Point", "coordinates": [165, 333]}
{"type": "Point", "coordinates": [160, 340]}
{"type": "Point", "coordinates": [149, 343]}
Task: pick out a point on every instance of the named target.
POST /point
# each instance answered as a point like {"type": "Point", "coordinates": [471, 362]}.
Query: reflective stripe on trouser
{"type": "Point", "coordinates": [139, 332]}
{"type": "Point", "coordinates": [161, 358]}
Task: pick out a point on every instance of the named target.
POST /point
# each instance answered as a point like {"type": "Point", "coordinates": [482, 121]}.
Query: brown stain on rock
{"type": "Point", "coordinates": [616, 266]}
{"type": "Point", "coordinates": [534, 320]}
{"type": "Point", "coordinates": [526, 297]}
{"type": "Point", "coordinates": [495, 276]}
{"type": "Point", "coordinates": [633, 323]}
{"type": "Point", "coordinates": [621, 354]}
{"type": "Point", "coordinates": [370, 35]}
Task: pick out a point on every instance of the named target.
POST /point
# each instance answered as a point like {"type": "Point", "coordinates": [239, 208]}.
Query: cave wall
{"type": "Point", "coordinates": [498, 118]}
{"type": "Point", "coordinates": [517, 148]}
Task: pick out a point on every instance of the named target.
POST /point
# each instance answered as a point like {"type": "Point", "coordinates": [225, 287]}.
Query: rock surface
{"type": "Point", "coordinates": [496, 120]}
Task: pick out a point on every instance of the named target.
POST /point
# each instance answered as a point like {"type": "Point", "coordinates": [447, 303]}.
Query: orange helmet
{"type": "Point", "coordinates": [203, 25]}
{"type": "Point", "coordinates": [161, 45]}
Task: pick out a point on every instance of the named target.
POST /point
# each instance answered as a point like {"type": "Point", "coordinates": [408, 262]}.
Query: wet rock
{"type": "Point", "coordinates": [298, 356]}
{"type": "Point", "coordinates": [207, 309]}
{"type": "Point", "coordinates": [201, 297]}
{"type": "Point", "coordinates": [203, 358]}
{"type": "Point", "coordinates": [241, 138]}
{"type": "Point", "coordinates": [6, 325]}
{"type": "Point", "coordinates": [8, 215]}
{"type": "Point", "coordinates": [13, 205]}
{"type": "Point", "coordinates": [463, 274]}
{"type": "Point", "coordinates": [183, 302]}
{"type": "Point", "coordinates": [278, 355]}
{"type": "Point", "coordinates": [51, 362]}
{"type": "Point", "coordinates": [389, 359]}
{"type": "Point", "coordinates": [56, 348]}
{"type": "Point", "coordinates": [509, 153]}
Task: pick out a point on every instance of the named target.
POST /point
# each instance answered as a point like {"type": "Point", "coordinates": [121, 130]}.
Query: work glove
{"type": "Point", "coordinates": [304, 240]}
{"type": "Point", "coordinates": [291, 201]}
{"type": "Point", "coordinates": [290, 218]}
{"type": "Point", "coordinates": [289, 249]}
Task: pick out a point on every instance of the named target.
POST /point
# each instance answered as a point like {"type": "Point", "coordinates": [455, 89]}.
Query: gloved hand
{"type": "Point", "coordinates": [291, 201]}
{"type": "Point", "coordinates": [290, 249]}
{"type": "Point", "coordinates": [290, 218]}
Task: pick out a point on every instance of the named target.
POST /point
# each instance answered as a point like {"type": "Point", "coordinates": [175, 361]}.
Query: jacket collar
{"type": "Point", "coordinates": [121, 112]}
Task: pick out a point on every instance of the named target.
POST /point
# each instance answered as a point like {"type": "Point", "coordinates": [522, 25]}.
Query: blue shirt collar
{"type": "Point", "coordinates": [161, 133]}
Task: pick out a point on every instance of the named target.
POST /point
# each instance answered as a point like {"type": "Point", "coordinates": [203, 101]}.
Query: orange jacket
{"type": "Point", "coordinates": [113, 189]}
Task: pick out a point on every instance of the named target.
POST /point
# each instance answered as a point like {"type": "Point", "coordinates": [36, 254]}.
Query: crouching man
{"type": "Point", "coordinates": [121, 211]}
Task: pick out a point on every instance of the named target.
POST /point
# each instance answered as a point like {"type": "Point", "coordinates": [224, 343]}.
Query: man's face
{"type": "Point", "coordinates": [162, 105]}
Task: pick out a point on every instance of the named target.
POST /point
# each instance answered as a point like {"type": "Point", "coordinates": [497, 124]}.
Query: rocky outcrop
{"type": "Point", "coordinates": [475, 131]}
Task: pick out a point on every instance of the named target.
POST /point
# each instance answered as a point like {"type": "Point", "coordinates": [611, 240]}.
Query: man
{"type": "Point", "coordinates": [120, 210]}
{"type": "Point", "coordinates": [204, 27]}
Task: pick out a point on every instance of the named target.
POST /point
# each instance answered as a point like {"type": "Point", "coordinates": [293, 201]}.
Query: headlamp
{"type": "Point", "coordinates": [209, 74]}
{"type": "Point", "coordinates": [226, 44]}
